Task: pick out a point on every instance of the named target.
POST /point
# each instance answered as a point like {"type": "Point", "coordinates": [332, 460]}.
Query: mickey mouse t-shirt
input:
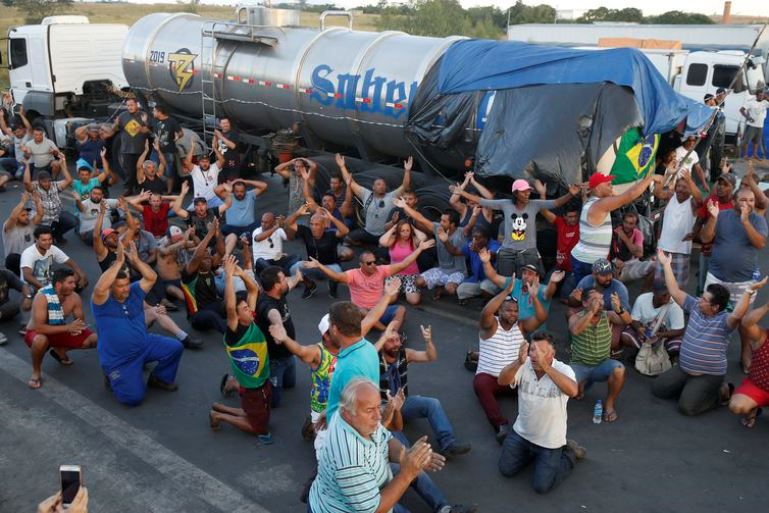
{"type": "Point", "coordinates": [520, 225]}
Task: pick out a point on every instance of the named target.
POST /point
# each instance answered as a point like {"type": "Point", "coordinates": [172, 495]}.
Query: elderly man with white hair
{"type": "Point", "coordinates": [354, 473]}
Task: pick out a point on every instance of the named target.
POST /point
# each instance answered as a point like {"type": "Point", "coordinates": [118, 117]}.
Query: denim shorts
{"type": "Point", "coordinates": [388, 315]}
{"type": "Point", "coordinates": [595, 373]}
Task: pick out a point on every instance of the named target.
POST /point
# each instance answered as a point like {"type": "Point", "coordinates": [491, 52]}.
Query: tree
{"type": "Point", "coordinates": [679, 18]}
{"type": "Point", "coordinates": [521, 13]}
{"type": "Point", "coordinates": [438, 18]}
{"type": "Point", "coordinates": [629, 14]}
{"type": "Point", "coordinates": [35, 10]}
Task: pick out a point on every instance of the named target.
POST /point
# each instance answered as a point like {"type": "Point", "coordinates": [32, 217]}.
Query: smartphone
{"type": "Point", "coordinates": [70, 483]}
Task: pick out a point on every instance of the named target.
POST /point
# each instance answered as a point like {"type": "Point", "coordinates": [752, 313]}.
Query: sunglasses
{"type": "Point", "coordinates": [272, 244]}
{"type": "Point", "coordinates": [369, 262]}
{"type": "Point", "coordinates": [511, 298]}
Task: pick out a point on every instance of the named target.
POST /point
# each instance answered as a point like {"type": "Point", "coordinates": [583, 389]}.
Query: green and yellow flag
{"type": "Point", "coordinates": [636, 155]}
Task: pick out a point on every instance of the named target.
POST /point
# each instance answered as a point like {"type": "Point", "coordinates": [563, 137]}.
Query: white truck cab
{"type": "Point", "coordinates": [64, 65]}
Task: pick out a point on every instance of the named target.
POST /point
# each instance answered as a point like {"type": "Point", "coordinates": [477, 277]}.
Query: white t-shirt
{"type": "Point", "coordinates": [690, 161]}
{"type": "Point", "coordinates": [41, 264]}
{"type": "Point", "coordinates": [756, 110]}
{"type": "Point", "coordinates": [88, 217]}
{"type": "Point", "coordinates": [204, 182]}
{"type": "Point", "coordinates": [270, 248]}
{"type": "Point", "coordinates": [677, 223]}
{"type": "Point", "coordinates": [541, 406]}
{"type": "Point", "coordinates": [645, 313]}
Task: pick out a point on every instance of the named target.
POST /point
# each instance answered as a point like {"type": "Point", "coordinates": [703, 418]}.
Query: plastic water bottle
{"type": "Point", "coordinates": [757, 275]}
{"type": "Point", "coordinates": [598, 412]}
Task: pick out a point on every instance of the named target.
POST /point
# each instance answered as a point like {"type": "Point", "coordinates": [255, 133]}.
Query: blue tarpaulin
{"type": "Point", "coordinates": [481, 65]}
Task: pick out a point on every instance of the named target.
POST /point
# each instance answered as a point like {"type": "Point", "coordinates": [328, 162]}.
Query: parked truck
{"type": "Point", "coordinates": [706, 58]}
{"type": "Point", "coordinates": [65, 68]}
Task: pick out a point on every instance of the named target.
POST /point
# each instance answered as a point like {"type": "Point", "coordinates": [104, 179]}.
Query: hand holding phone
{"type": "Point", "coordinates": [70, 483]}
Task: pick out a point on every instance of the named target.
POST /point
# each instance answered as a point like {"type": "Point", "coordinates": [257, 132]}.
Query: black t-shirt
{"type": "Point", "coordinates": [323, 249]}
{"type": "Point", "coordinates": [205, 287]}
{"type": "Point", "coordinates": [8, 280]}
{"type": "Point", "coordinates": [267, 303]}
{"type": "Point", "coordinates": [201, 223]}
{"type": "Point", "coordinates": [165, 133]}
{"type": "Point", "coordinates": [157, 185]}
{"type": "Point", "coordinates": [231, 155]}
{"type": "Point", "coordinates": [233, 337]}
{"type": "Point", "coordinates": [131, 139]}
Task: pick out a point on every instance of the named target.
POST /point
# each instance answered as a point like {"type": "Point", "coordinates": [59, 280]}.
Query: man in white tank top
{"type": "Point", "coordinates": [595, 229]}
{"type": "Point", "coordinates": [677, 227]}
{"type": "Point", "coordinates": [500, 338]}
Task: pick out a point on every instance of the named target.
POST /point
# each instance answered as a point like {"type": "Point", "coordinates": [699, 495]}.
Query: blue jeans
{"type": "Point", "coordinates": [580, 269]}
{"type": "Point", "coordinates": [240, 230]}
{"type": "Point", "coordinates": [419, 407]}
{"type": "Point", "coordinates": [423, 485]}
{"type": "Point", "coordinates": [12, 166]}
{"type": "Point", "coordinates": [595, 373]}
{"type": "Point", "coordinates": [282, 375]}
{"type": "Point", "coordinates": [313, 274]}
{"type": "Point", "coordinates": [286, 262]}
{"type": "Point", "coordinates": [551, 466]}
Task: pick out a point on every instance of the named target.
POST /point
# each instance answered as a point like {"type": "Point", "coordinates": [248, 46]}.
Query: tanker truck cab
{"type": "Point", "coordinates": [63, 66]}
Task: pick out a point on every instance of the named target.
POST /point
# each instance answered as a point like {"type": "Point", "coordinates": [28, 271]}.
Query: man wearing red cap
{"type": "Point", "coordinates": [519, 247]}
{"type": "Point", "coordinates": [595, 229]}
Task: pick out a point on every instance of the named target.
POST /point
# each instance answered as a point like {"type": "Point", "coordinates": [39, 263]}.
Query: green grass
{"type": "Point", "coordinates": [129, 13]}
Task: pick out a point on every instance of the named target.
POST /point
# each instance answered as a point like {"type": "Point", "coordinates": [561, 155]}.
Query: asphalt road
{"type": "Point", "coordinates": [162, 456]}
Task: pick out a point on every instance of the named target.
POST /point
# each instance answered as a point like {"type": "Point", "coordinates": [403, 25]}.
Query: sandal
{"type": "Point", "coordinates": [749, 420]}
{"type": "Point", "coordinates": [62, 361]}
{"type": "Point", "coordinates": [610, 415]}
{"type": "Point", "coordinates": [35, 383]}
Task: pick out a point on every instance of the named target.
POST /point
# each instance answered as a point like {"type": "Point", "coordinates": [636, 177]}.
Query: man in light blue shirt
{"type": "Point", "coordinates": [241, 216]}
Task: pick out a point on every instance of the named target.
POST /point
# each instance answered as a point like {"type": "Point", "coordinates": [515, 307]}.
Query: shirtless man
{"type": "Point", "coordinates": [47, 327]}
{"type": "Point", "coordinates": [169, 271]}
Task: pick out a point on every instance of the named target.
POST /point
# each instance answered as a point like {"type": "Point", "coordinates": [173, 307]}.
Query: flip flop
{"type": "Point", "coordinates": [750, 420]}
{"type": "Point", "coordinates": [35, 383]}
{"type": "Point", "coordinates": [56, 356]}
{"type": "Point", "coordinates": [610, 416]}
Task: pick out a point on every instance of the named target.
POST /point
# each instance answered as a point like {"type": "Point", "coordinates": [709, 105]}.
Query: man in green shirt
{"type": "Point", "coordinates": [590, 330]}
{"type": "Point", "coordinates": [247, 351]}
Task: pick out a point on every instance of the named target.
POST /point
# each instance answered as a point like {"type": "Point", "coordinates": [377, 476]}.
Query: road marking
{"type": "Point", "coordinates": [188, 477]}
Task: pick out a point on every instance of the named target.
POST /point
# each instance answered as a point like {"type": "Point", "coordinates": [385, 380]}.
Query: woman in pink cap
{"type": "Point", "coordinates": [519, 246]}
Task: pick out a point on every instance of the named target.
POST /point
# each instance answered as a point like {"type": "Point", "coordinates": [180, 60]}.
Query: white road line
{"type": "Point", "coordinates": [182, 473]}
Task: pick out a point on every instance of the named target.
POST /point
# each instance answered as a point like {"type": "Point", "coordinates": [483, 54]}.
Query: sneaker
{"type": "Point", "coordinates": [333, 289]}
{"type": "Point", "coordinates": [458, 508]}
{"type": "Point", "coordinates": [3, 339]}
{"type": "Point", "coordinates": [456, 449]}
{"type": "Point", "coordinates": [192, 343]}
{"type": "Point", "coordinates": [309, 291]}
{"type": "Point", "coordinates": [579, 451]}
{"type": "Point", "coordinates": [502, 432]}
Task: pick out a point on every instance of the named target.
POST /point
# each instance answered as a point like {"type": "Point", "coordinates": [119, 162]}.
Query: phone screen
{"type": "Point", "coordinates": [70, 484]}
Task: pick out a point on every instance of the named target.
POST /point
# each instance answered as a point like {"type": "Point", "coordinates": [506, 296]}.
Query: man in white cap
{"type": "Point", "coordinates": [519, 246]}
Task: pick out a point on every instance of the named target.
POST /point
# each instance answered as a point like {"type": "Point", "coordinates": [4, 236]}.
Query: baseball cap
{"type": "Point", "coordinates": [324, 325]}
{"type": "Point", "coordinates": [174, 231]}
{"type": "Point", "coordinates": [602, 266]}
{"type": "Point", "coordinates": [83, 164]}
{"type": "Point", "coordinates": [729, 178]}
{"type": "Point", "coordinates": [521, 185]}
{"type": "Point", "coordinates": [531, 267]}
{"type": "Point", "coordinates": [107, 232]}
{"type": "Point", "coordinates": [597, 179]}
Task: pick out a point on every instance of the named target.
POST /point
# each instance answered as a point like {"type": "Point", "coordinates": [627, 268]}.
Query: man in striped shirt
{"type": "Point", "coordinates": [698, 379]}
{"type": "Point", "coordinates": [354, 474]}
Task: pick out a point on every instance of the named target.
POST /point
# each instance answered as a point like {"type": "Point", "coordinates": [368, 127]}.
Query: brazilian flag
{"type": "Point", "coordinates": [636, 155]}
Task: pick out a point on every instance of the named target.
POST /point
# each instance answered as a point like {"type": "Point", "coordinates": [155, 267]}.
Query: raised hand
{"type": "Point", "coordinates": [393, 287]}
{"type": "Point", "coordinates": [744, 212]}
{"type": "Point", "coordinates": [523, 353]}
{"type": "Point", "coordinates": [312, 264]}
{"type": "Point", "coordinates": [540, 187]}
{"type": "Point", "coordinates": [557, 276]}
{"type": "Point", "coordinates": [541, 356]}
{"type": "Point", "coordinates": [427, 333]}
{"type": "Point", "coordinates": [663, 258]}
{"type": "Point", "coordinates": [132, 253]}
{"type": "Point", "coordinates": [574, 189]}
{"type": "Point", "coordinates": [339, 160]}
{"type": "Point", "coordinates": [533, 287]}
{"type": "Point", "coordinates": [443, 235]}
{"type": "Point", "coordinates": [713, 209]}
{"type": "Point", "coordinates": [278, 333]}
{"type": "Point", "coordinates": [408, 164]}
{"type": "Point", "coordinates": [426, 244]}
{"type": "Point", "coordinates": [416, 459]}
{"type": "Point", "coordinates": [103, 152]}
{"type": "Point", "coordinates": [576, 294]}
{"type": "Point", "coordinates": [399, 202]}
{"type": "Point", "coordinates": [484, 255]}
{"type": "Point", "coordinates": [229, 265]}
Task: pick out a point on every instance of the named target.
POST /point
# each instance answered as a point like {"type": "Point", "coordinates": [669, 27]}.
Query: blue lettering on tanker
{"type": "Point", "coordinates": [341, 91]}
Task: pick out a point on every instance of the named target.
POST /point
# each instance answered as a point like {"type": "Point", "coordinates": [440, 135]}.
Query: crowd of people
{"type": "Point", "coordinates": [160, 250]}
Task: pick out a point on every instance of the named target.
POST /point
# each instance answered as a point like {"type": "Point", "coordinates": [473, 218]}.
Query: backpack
{"type": "Point", "coordinates": [654, 360]}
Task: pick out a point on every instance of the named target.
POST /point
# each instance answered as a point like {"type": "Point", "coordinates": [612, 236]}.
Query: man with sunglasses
{"type": "Point", "coordinates": [377, 204]}
{"type": "Point", "coordinates": [367, 283]}
{"type": "Point", "coordinates": [698, 379]}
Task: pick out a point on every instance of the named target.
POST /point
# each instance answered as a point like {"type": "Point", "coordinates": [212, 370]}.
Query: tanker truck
{"type": "Point", "coordinates": [508, 109]}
